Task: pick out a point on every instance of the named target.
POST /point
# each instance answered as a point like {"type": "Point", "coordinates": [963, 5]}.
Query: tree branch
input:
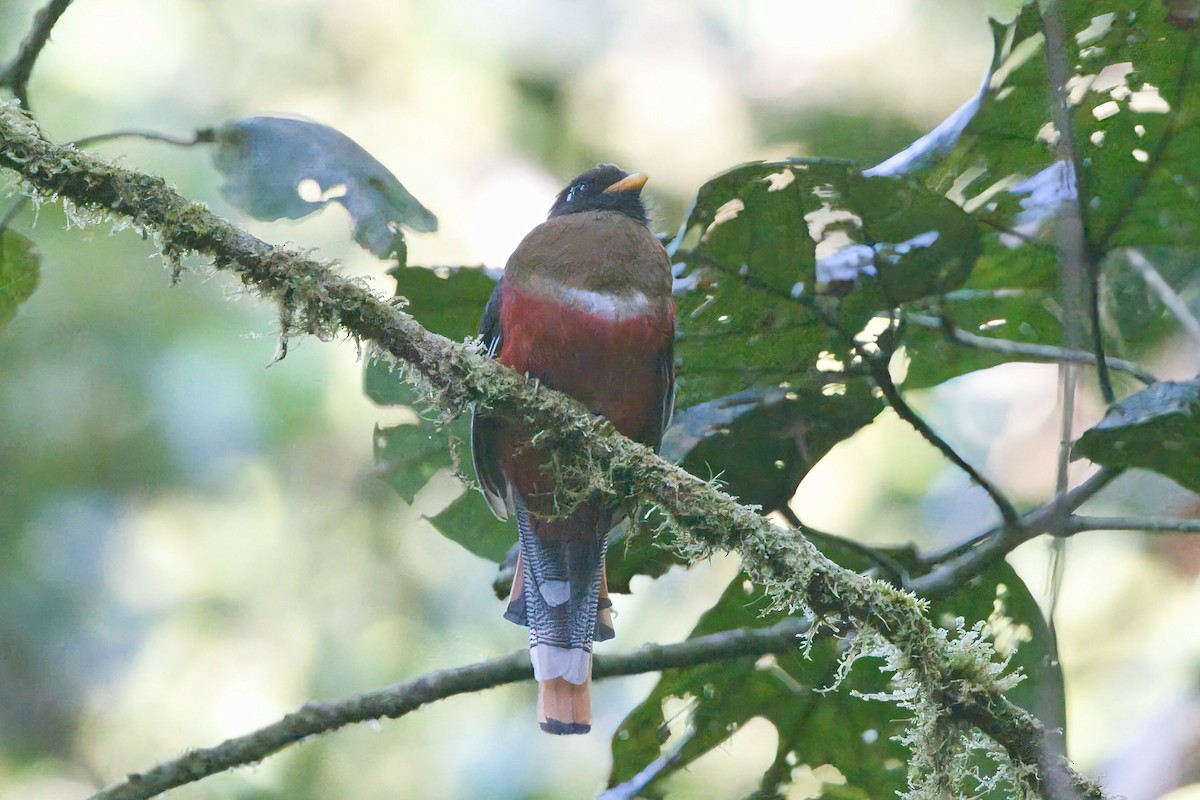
{"type": "Point", "coordinates": [965, 561]}
{"type": "Point", "coordinates": [1079, 524]}
{"type": "Point", "coordinates": [16, 74]}
{"type": "Point", "coordinates": [200, 137]}
{"type": "Point", "coordinates": [883, 379]}
{"type": "Point", "coordinates": [1080, 265]}
{"type": "Point", "coordinates": [1039, 352]}
{"type": "Point", "coordinates": [396, 701]}
{"type": "Point", "coordinates": [701, 519]}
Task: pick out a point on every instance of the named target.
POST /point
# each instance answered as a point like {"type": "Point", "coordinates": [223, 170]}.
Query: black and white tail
{"type": "Point", "coordinates": [559, 591]}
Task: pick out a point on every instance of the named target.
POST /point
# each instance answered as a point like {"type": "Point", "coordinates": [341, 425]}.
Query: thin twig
{"type": "Point", "coordinates": [1039, 352]}
{"type": "Point", "coordinates": [1168, 296]}
{"type": "Point", "coordinates": [964, 561]}
{"type": "Point", "coordinates": [1182, 110]}
{"type": "Point", "coordinates": [1080, 266]}
{"type": "Point", "coordinates": [883, 379]}
{"type": "Point", "coordinates": [154, 136]}
{"type": "Point", "coordinates": [1078, 524]}
{"type": "Point", "coordinates": [1080, 269]}
{"type": "Point", "coordinates": [16, 74]}
{"type": "Point", "coordinates": [398, 700]}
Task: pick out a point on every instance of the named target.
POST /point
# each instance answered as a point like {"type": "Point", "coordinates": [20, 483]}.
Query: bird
{"type": "Point", "coordinates": [585, 307]}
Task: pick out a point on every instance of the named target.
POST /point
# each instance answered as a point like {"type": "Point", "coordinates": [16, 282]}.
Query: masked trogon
{"type": "Point", "coordinates": [585, 307]}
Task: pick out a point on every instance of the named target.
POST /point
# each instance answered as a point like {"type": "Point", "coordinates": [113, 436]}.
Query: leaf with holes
{"type": "Point", "coordinates": [276, 168]}
{"type": "Point", "coordinates": [1134, 91]}
{"type": "Point", "coordinates": [781, 262]}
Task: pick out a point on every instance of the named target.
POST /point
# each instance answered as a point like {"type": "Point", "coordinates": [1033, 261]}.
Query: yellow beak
{"type": "Point", "coordinates": [630, 183]}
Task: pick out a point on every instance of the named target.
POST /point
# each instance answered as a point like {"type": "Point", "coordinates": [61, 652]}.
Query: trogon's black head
{"type": "Point", "coordinates": [603, 188]}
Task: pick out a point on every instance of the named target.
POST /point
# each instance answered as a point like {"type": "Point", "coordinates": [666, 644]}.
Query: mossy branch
{"type": "Point", "coordinates": [941, 674]}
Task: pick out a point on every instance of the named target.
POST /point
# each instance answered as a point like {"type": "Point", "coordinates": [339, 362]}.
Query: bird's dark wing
{"type": "Point", "coordinates": [485, 427]}
{"type": "Point", "coordinates": [489, 326]}
{"type": "Point", "coordinates": [666, 376]}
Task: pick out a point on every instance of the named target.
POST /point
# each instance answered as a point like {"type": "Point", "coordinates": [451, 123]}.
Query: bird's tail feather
{"type": "Point", "coordinates": [560, 592]}
{"type": "Point", "coordinates": [565, 707]}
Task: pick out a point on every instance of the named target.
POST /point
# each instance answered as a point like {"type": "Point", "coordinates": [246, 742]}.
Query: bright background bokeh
{"type": "Point", "coordinates": [192, 545]}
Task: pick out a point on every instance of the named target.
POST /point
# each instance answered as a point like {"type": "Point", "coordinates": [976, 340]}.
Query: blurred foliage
{"type": "Point", "coordinates": [18, 273]}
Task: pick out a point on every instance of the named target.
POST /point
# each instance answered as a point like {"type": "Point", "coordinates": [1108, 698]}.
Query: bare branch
{"type": "Point", "coordinates": [16, 74]}
{"type": "Point", "coordinates": [1038, 352]}
{"type": "Point", "coordinates": [201, 137]}
{"type": "Point", "coordinates": [1079, 265]}
{"type": "Point", "coordinates": [965, 561]}
{"type": "Point", "coordinates": [1079, 524]}
{"type": "Point", "coordinates": [1079, 269]}
{"type": "Point", "coordinates": [396, 701]}
{"type": "Point", "coordinates": [596, 458]}
{"type": "Point", "coordinates": [883, 379]}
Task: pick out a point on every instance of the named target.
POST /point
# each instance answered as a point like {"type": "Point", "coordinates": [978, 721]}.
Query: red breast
{"type": "Point", "coordinates": [585, 307]}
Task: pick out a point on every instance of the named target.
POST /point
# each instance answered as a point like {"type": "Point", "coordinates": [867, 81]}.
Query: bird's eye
{"type": "Point", "coordinates": [577, 189]}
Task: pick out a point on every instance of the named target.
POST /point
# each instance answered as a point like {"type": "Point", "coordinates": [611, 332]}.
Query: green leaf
{"type": "Point", "coordinates": [761, 442]}
{"type": "Point", "coordinates": [780, 262]}
{"type": "Point", "coordinates": [267, 161]}
{"type": "Point", "coordinates": [406, 456]}
{"type": "Point", "coordinates": [384, 384]}
{"type": "Point", "coordinates": [721, 697]}
{"type": "Point", "coordinates": [446, 300]}
{"type": "Point", "coordinates": [471, 523]}
{"type": "Point", "coordinates": [18, 273]}
{"type": "Point", "coordinates": [1157, 428]}
{"type": "Point", "coordinates": [817, 728]}
{"type": "Point", "coordinates": [632, 551]}
{"type": "Point", "coordinates": [1141, 319]}
{"type": "Point", "coordinates": [1143, 176]}
{"type": "Point", "coordinates": [1018, 315]}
